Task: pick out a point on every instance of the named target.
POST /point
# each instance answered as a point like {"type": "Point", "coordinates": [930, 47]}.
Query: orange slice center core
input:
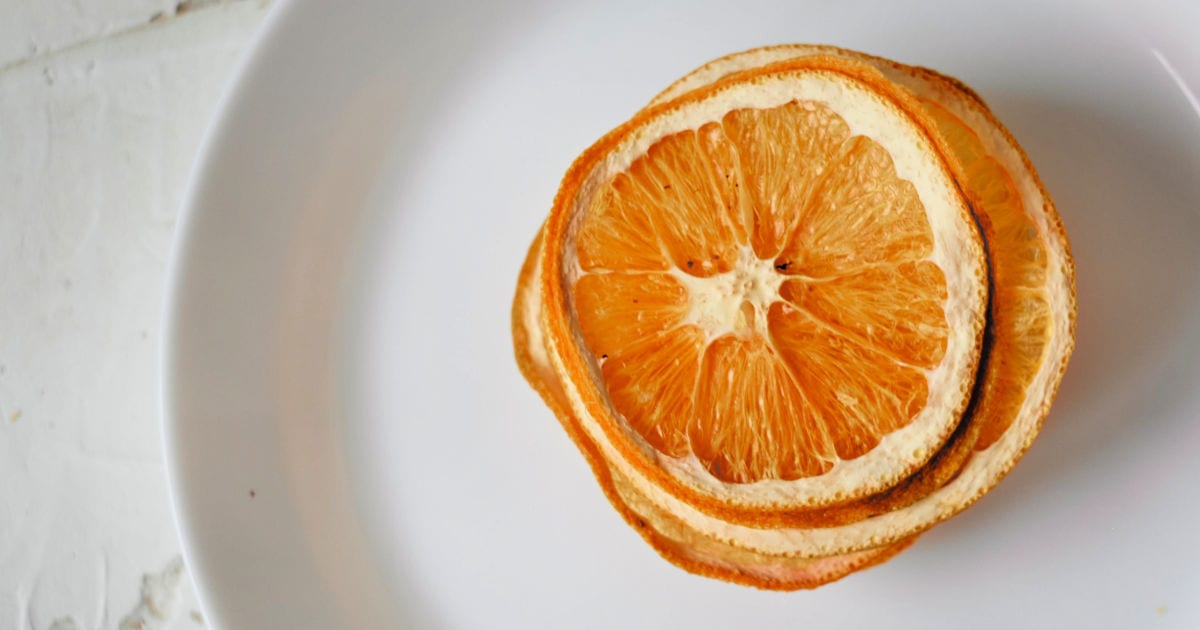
{"type": "Point", "coordinates": [736, 301]}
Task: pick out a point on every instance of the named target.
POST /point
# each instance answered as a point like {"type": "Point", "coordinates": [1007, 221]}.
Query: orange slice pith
{"type": "Point", "coordinates": [1033, 315]}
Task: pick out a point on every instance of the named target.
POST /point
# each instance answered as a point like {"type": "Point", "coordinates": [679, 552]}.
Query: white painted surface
{"type": "Point", "coordinates": [31, 29]}
{"type": "Point", "coordinates": [101, 115]}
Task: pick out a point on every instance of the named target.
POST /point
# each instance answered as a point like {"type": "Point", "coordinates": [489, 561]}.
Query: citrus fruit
{"type": "Point", "coordinates": [738, 478]}
{"type": "Point", "coordinates": [742, 368]}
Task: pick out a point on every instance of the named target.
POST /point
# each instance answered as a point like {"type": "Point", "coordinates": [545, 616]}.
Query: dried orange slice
{"type": "Point", "coordinates": [753, 308]}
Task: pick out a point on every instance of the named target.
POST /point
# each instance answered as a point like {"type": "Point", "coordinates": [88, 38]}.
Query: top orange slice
{"type": "Point", "coordinates": [767, 294]}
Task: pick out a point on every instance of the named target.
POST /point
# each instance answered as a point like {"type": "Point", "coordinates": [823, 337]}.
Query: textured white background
{"type": "Point", "coordinates": [103, 104]}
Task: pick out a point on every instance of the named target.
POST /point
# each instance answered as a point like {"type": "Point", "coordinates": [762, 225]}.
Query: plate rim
{"type": "Point", "coordinates": [199, 179]}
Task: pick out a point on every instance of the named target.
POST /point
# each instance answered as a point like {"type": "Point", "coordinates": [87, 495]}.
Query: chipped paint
{"type": "Point", "coordinates": [160, 596]}
{"type": "Point", "coordinates": [101, 116]}
{"type": "Point", "coordinates": [65, 623]}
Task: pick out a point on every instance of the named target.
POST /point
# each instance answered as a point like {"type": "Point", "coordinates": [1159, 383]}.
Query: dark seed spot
{"type": "Point", "coordinates": [690, 263]}
{"type": "Point", "coordinates": [641, 522]}
{"type": "Point", "coordinates": [604, 356]}
{"type": "Point", "coordinates": [666, 187]}
{"type": "Point", "coordinates": [783, 266]}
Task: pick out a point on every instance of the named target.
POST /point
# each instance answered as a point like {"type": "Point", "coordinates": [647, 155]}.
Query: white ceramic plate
{"type": "Point", "coordinates": [350, 444]}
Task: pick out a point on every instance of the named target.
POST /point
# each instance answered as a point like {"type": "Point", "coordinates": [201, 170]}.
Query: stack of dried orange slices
{"type": "Point", "coordinates": [802, 307]}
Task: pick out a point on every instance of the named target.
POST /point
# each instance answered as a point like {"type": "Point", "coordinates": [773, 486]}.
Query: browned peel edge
{"type": "Point", "coordinates": [555, 323]}
{"type": "Point", "coordinates": [821, 571]}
